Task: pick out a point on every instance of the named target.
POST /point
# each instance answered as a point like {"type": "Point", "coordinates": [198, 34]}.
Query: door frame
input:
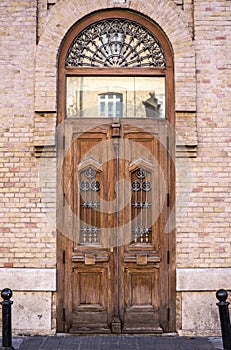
{"type": "Point", "coordinates": [63, 72]}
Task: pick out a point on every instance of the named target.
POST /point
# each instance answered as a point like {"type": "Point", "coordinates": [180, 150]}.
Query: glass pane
{"type": "Point", "coordinates": [110, 109]}
{"type": "Point", "coordinates": [141, 97]}
{"type": "Point", "coordinates": [102, 109]}
{"type": "Point", "coordinates": [119, 109]}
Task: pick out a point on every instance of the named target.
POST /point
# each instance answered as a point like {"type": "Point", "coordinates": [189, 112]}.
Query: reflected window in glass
{"type": "Point", "coordinates": [115, 96]}
{"type": "Point", "coordinates": [110, 105]}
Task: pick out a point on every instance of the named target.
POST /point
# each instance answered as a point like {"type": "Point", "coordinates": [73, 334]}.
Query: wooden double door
{"type": "Point", "coordinates": [115, 269]}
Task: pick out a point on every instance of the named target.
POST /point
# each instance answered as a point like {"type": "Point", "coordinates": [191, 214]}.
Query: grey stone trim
{"type": "Point", "coordinates": [203, 279]}
{"type": "Point", "coordinates": [26, 279]}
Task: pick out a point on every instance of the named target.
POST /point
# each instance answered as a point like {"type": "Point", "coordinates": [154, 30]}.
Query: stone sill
{"type": "Point", "coordinates": [26, 279]}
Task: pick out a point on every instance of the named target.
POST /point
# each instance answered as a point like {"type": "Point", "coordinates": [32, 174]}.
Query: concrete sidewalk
{"type": "Point", "coordinates": [122, 342]}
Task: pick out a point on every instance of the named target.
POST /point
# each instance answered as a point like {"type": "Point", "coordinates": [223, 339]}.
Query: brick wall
{"type": "Point", "coordinates": [200, 36]}
{"type": "Point", "coordinates": [204, 236]}
{"type": "Point", "coordinates": [27, 238]}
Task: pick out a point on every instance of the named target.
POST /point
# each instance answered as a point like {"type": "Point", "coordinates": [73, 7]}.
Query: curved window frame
{"type": "Point", "coordinates": [167, 72]}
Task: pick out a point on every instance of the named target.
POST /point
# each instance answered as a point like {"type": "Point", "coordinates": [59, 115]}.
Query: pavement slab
{"type": "Point", "coordinates": [112, 342]}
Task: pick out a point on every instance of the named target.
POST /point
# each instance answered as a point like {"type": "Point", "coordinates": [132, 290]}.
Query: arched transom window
{"type": "Point", "coordinates": [116, 67]}
{"type": "Point", "coordinates": [115, 43]}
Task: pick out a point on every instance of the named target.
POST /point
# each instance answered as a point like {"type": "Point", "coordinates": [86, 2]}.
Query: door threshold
{"type": "Point", "coordinates": [88, 331]}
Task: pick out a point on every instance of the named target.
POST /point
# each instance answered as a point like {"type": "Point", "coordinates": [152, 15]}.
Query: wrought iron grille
{"type": "Point", "coordinates": [141, 206]}
{"type": "Point", "coordinates": [115, 43]}
{"type": "Point", "coordinates": [89, 212]}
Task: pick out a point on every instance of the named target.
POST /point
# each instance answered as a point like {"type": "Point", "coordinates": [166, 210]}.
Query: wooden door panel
{"type": "Point", "coordinates": [87, 287]}
{"type": "Point", "coordinates": [88, 157]}
{"type": "Point", "coordinates": [142, 306]}
{"type": "Point", "coordinates": [143, 260]}
{"type": "Point", "coordinates": [90, 288]}
{"type": "Point", "coordinates": [91, 300]}
{"type": "Point", "coordinates": [142, 287]}
{"type": "Point", "coordinates": [145, 151]}
{"type": "Point", "coordinates": [88, 270]}
{"type": "Point", "coordinates": [148, 203]}
{"type": "Point", "coordinates": [117, 273]}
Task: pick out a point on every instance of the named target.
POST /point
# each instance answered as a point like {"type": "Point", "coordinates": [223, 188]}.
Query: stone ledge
{"type": "Point", "coordinates": [203, 279]}
{"type": "Point", "coordinates": [25, 279]}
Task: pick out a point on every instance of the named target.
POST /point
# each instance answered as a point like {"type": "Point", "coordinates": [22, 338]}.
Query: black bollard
{"type": "Point", "coordinates": [6, 319]}
{"type": "Point", "coordinates": [222, 295]}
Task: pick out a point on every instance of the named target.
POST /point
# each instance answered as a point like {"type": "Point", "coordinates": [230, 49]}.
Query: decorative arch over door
{"type": "Point", "coordinates": [116, 261]}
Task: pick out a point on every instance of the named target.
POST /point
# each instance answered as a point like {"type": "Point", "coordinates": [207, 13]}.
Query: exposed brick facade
{"type": "Point", "coordinates": [30, 36]}
{"type": "Point", "coordinates": [23, 240]}
{"type": "Point", "coordinates": [204, 238]}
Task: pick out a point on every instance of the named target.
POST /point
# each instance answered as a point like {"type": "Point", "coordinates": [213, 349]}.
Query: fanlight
{"type": "Point", "coordinates": [115, 43]}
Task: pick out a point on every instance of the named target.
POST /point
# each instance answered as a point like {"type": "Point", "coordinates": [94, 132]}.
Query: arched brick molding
{"type": "Point", "coordinates": [67, 12]}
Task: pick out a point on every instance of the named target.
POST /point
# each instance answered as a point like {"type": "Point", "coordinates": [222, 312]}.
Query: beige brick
{"type": "Point", "coordinates": [28, 118]}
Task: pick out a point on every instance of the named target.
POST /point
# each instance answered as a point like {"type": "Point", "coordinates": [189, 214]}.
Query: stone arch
{"type": "Point", "coordinates": [67, 12]}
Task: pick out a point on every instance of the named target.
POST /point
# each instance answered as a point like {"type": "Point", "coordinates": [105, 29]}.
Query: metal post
{"type": "Point", "coordinates": [6, 294]}
{"type": "Point", "coordinates": [222, 295]}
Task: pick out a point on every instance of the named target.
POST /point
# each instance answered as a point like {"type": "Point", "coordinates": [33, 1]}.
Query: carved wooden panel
{"type": "Point", "coordinates": [142, 299]}
{"type": "Point", "coordinates": [87, 289]}
{"type": "Point", "coordinates": [141, 289]}
{"type": "Point", "coordinates": [90, 300]}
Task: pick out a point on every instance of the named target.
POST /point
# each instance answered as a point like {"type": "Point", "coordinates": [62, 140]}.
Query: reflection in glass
{"type": "Point", "coordinates": [108, 97]}
{"type": "Point", "coordinates": [110, 105]}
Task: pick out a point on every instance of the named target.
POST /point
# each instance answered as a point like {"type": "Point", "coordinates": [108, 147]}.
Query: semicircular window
{"type": "Point", "coordinates": [115, 43]}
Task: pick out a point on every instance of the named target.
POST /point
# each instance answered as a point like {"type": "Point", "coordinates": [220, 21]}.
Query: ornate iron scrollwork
{"type": "Point", "coordinates": [141, 173]}
{"type": "Point", "coordinates": [89, 207]}
{"type": "Point", "coordinates": [146, 186]}
{"type": "Point", "coordinates": [84, 186]}
{"type": "Point", "coordinates": [141, 204]}
{"type": "Point", "coordinates": [90, 173]}
{"type": "Point", "coordinates": [115, 43]}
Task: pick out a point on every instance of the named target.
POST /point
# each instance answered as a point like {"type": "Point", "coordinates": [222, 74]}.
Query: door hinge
{"type": "Point", "coordinates": [64, 314]}
{"type": "Point", "coordinates": [168, 200]}
{"type": "Point", "coordinates": [64, 257]}
{"type": "Point", "coordinates": [64, 142]}
{"type": "Point", "coordinates": [64, 199]}
{"type": "Point", "coordinates": [57, 277]}
{"type": "Point", "coordinates": [168, 314]}
{"type": "Point", "coordinates": [167, 143]}
{"type": "Point", "coordinates": [168, 257]}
